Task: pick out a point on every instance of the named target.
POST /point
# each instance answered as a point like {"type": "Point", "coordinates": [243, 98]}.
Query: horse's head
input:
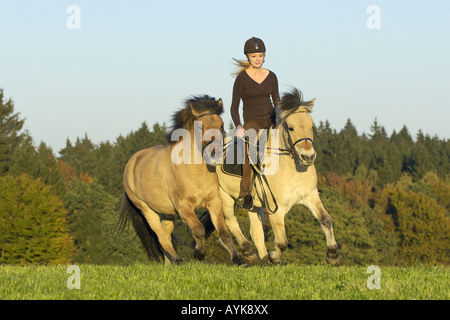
{"type": "Point", "coordinates": [200, 121]}
{"type": "Point", "coordinates": [294, 116]}
{"type": "Point", "coordinates": [206, 111]}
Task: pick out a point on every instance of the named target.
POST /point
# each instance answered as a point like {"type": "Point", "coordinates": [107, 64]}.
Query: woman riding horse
{"type": "Point", "coordinates": [254, 85]}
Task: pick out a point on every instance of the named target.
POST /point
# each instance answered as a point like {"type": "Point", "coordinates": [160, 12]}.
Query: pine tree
{"type": "Point", "coordinates": [105, 167]}
{"type": "Point", "coordinates": [81, 155]}
{"type": "Point", "coordinates": [428, 154]}
{"type": "Point", "coordinates": [48, 169]}
{"type": "Point", "coordinates": [326, 146]}
{"type": "Point", "coordinates": [404, 143]}
{"type": "Point", "coordinates": [349, 155]}
{"type": "Point", "coordinates": [384, 157]}
{"type": "Point", "coordinates": [10, 133]}
{"type": "Point", "coordinates": [25, 159]}
{"type": "Point", "coordinates": [38, 163]}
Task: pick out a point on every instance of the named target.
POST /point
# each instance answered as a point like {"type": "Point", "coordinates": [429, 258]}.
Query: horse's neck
{"type": "Point", "coordinates": [187, 151]}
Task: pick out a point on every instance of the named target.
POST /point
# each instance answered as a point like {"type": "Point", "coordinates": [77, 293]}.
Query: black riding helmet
{"type": "Point", "coordinates": [254, 45]}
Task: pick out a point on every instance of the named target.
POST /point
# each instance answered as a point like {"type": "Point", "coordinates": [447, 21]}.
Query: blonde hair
{"type": "Point", "coordinates": [241, 65]}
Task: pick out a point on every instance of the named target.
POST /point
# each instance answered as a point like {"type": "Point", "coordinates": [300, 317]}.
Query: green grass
{"type": "Point", "coordinates": [198, 281]}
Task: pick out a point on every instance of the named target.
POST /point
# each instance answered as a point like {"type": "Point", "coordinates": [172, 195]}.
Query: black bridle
{"type": "Point", "coordinates": [293, 144]}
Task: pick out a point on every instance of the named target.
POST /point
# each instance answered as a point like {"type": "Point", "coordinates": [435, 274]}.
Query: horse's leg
{"type": "Point", "coordinates": [186, 212]}
{"type": "Point", "coordinates": [257, 233]}
{"type": "Point", "coordinates": [279, 230]}
{"type": "Point", "coordinates": [315, 205]}
{"type": "Point", "coordinates": [216, 212]}
{"type": "Point", "coordinates": [164, 237]}
{"type": "Point", "coordinates": [168, 226]}
{"type": "Point", "coordinates": [233, 226]}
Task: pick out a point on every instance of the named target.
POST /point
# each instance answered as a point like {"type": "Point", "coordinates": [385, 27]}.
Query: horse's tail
{"type": "Point", "coordinates": [148, 237]}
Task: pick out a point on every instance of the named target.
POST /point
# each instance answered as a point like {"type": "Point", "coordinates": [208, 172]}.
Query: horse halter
{"type": "Point", "coordinates": [211, 114]}
{"type": "Point", "coordinates": [206, 114]}
{"type": "Point", "coordinates": [222, 130]}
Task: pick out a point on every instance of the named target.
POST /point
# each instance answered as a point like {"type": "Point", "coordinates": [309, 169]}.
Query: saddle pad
{"type": "Point", "coordinates": [232, 169]}
{"type": "Point", "coordinates": [232, 166]}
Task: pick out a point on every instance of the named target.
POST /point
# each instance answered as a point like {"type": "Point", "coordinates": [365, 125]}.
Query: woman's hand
{"type": "Point", "coordinates": [240, 131]}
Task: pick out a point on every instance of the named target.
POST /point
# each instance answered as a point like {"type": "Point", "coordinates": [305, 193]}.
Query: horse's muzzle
{"type": "Point", "coordinates": [307, 161]}
{"type": "Point", "coordinates": [305, 150]}
{"type": "Point", "coordinates": [307, 157]}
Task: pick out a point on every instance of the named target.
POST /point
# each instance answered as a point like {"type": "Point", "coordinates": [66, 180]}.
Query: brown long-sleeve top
{"type": "Point", "coordinates": [255, 97]}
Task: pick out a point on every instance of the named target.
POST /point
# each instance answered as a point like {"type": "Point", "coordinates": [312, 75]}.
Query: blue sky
{"type": "Point", "coordinates": [133, 61]}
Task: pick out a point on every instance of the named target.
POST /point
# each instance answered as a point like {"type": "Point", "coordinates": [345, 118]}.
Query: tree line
{"type": "Point", "coordinates": [388, 196]}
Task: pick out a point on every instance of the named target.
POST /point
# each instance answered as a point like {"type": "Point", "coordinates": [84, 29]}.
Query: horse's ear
{"type": "Point", "coordinates": [220, 103]}
{"type": "Point", "coordinates": [308, 104]}
{"type": "Point", "coordinates": [195, 113]}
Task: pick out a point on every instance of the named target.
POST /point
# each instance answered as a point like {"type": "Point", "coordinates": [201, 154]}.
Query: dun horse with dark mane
{"type": "Point", "coordinates": [157, 188]}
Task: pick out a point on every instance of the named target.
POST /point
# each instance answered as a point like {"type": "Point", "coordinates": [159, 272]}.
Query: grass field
{"type": "Point", "coordinates": [200, 281]}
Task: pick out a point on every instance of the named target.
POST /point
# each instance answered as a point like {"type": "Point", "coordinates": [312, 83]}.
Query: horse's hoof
{"type": "Point", "coordinates": [333, 259]}
{"type": "Point", "coordinates": [249, 255]}
{"type": "Point", "coordinates": [251, 259]}
{"type": "Point", "coordinates": [238, 260]}
{"type": "Point", "coordinates": [265, 261]}
{"type": "Point", "coordinates": [200, 254]}
{"type": "Point", "coordinates": [273, 260]}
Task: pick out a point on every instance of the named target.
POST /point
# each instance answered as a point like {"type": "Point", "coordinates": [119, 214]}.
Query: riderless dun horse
{"type": "Point", "coordinates": [157, 187]}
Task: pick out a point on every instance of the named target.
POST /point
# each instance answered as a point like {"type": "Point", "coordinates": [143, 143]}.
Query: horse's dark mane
{"type": "Point", "coordinates": [291, 100]}
{"type": "Point", "coordinates": [184, 118]}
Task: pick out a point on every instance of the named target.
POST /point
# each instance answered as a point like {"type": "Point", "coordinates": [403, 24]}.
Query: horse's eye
{"type": "Point", "coordinates": [291, 129]}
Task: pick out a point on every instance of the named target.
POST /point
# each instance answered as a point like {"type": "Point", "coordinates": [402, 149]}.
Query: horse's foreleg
{"type": "Point", "coordinates": [257, 232]}
{"type": "Point", "coordinates": [186, 212]}
{"type": "Point", "coordinates": [216, 212]}
{"type": "Point", "coordinates": [233, 226]}
{"type": "Point", "coordinates": [315, 205]}
{"type": "Point", "coordinates": [279, 230]}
